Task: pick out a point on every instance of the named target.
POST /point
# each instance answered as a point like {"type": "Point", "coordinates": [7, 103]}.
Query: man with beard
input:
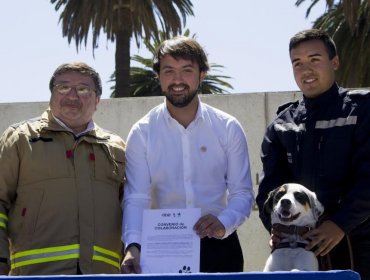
{"type": "Point", "coordinates": [186, 154]}
{"type": "Point", "coordinates": [61, 185]}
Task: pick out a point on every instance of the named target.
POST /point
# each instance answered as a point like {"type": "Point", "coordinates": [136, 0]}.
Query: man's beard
{"type": "Point", "coordinates": [181, 102]}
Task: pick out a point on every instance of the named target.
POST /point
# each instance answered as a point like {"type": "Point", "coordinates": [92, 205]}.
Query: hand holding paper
{"type": "Point", "coordinates": [210, 226]}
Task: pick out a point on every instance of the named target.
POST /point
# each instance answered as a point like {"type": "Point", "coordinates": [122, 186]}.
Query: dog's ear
{"type": "Point", "coordinates": [268, 205]}
{"type": "Point", "coordinates": [317, 207]}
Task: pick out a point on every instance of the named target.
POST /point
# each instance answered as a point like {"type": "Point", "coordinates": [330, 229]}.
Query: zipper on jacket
{"type": "Point", "coordinates": [297, 141]}
{"type": "Point", "coordinates": [319, 145]}
{"type": "Point", "coordinates": [320, 156]}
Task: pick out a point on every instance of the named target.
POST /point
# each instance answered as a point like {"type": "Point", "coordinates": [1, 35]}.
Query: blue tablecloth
{"type": "Point", "coordinates": [327, 275]}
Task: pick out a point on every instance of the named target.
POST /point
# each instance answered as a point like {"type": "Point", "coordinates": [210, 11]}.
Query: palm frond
{"type": "Point", "coordinates": [353, 48]}
{"type": "Point", "coordinates": [351, 10]}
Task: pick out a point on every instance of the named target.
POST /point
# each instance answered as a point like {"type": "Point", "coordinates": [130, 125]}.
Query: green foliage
{"type": "Point", "coordinates": [121, 20]}
{"type": "Point", "coordinates": [140, 17]}
{"type": "Point", "coordinates": [353, 48]}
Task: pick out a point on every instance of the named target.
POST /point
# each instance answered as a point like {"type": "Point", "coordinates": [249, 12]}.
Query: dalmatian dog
{"type": "Point", "coordinates": [294, 210]}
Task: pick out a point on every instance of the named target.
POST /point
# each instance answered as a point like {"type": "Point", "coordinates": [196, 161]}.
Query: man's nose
{"type": "Point", "coordinates": [177, 77]}
{"type": "Point", "coordinates": [306, 68]}
{"type": "Point", "coordinates": [72, 94]}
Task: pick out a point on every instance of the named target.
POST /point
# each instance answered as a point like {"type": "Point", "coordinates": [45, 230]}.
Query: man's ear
{"type": "Point", "coordinates": [335, 62]}
{"type": "Point", "coordinates": [97, 101]}
{"type": "Point", "coordinates": [203, 75]}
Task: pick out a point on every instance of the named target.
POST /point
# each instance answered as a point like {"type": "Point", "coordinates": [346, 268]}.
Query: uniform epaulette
{"type": "Point", "coordinates": [286, 105]}
{"type": "Point", "coordinates": [358, 92]}
{"type": "Point", "coordinates": [16, 125]}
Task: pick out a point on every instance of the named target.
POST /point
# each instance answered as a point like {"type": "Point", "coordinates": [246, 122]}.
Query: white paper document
{"type": "Point", "coordinates": [169, 243]}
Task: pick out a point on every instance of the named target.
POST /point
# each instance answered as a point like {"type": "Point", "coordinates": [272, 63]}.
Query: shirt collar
{"type": "Point", "coordinates": [90, 126]}
{"type": "Point", "coordinates": [323, 100]}
{"type": "Point", "coordinates": [198, 116]}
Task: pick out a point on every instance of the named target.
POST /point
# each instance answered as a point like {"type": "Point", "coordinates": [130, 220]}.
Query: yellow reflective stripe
{"type": "Point", "coordinates": [2, 216]}
{"type": "Point", "coordinates": [43, 255]}
{"type": "Point", "coordinates": [107, 252]}
{"type": "Point", "coordinates": [3, 221]}
{"type": "Point", "coordinates": [60, 253]}
{"type": "Point", "coordinates": [106, 260]}
{"type": "Point", "coordinates": [43, 260]}
{"type": "Point", "coordinates": [98, 251]}
{"type": "Point", "coordinates": [45, 250]}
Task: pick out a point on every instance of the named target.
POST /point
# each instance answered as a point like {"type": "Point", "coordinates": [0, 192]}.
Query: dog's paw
{"type": "Point", "coordinates": [185, 269]}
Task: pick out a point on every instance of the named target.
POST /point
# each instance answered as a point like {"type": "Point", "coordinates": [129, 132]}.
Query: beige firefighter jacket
{"type": "Point", "coordinates": [60, 199]}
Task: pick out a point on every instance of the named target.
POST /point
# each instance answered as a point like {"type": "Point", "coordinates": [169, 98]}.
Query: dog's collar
{"type": "Point", "coordinates": [292, 245]}
{"type": "Point", "coordinates": [300, 230]}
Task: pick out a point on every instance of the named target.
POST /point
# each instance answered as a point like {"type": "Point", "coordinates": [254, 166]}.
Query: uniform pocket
{"type": "Point", "coordinates": [109, 163]}
{"type": "Point", "coordinates": [23, 217]}
{"type": "Point", "coordinates": [44, 159]}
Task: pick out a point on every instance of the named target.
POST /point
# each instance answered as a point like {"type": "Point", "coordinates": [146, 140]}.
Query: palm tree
{"type": "Point", "coordinates": [350, 9]}
{"type": "Point", "coordinates": [121, 20]}
{"type": "Point", "coordinates": [348, 22]}
{"type": "Point", "coordinates": [353, 48]}
{"type": "Point", "coordinates": [144, 81]}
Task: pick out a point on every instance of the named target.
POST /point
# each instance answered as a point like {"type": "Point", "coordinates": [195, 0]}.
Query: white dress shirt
{"type": "Point", "coordinates": [205, 165]}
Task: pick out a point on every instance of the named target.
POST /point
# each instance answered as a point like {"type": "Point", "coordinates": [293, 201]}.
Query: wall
{"type": "Point", "coordinates": [253, 110]}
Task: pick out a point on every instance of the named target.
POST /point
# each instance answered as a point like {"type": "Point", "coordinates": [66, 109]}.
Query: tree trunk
{"type": "Point", "coordinates": [123, 38]}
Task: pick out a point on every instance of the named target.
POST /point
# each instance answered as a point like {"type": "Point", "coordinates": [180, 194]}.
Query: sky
{"type": "Point", "coordinates": [248, 37]}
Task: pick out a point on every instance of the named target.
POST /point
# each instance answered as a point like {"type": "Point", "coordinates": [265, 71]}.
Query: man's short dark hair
{"type": "Point", "coordinates": [81, 68]}
{"type": "Point", "coordinates": [314, 34]}
{"type": "Point", "coordinates": [181, 47]}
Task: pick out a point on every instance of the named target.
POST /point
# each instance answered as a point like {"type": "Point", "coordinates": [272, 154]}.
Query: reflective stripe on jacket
{"type": "Point", "coordinates": [3, 221]}
{"type": "Point", "coordinates": [52, 254]}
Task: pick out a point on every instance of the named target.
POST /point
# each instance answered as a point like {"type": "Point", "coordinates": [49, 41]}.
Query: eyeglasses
{"type": "Point", "coordinates": [82, 91]}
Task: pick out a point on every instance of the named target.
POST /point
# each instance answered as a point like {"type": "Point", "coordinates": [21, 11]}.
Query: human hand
{"type": "Point", "coordinates": [4, 268]}
{"type": "Point", "coordinates": [210, 226]}
{"type": "Point", "coordinates": [131, 261]}
{"type": "Point", "coordinates": [325, 237]}
{"type": "Point", "coordinates": [276, 237]}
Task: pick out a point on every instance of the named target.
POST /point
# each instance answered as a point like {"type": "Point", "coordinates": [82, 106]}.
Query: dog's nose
{"type": "Point", "coordinates": [285, 203]}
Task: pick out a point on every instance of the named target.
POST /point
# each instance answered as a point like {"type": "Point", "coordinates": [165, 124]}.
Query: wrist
{"type": "Point", "coordinates": [134, 244]}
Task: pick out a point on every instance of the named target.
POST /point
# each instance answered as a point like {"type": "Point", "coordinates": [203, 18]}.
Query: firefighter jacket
{"type": "Point", "coordinates": [324, 144]}
{"type": "Point", "coordinates": [60, 199]}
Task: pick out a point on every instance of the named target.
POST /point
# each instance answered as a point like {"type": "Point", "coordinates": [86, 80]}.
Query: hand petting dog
{"type": "Point", "coordinates": [325, 237]}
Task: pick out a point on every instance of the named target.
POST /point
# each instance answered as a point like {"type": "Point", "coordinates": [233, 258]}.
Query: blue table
{"type": "Point", "coordinates": [322, 275]}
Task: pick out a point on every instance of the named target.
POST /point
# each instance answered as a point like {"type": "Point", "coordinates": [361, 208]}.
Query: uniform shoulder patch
{"type": "Point", "coordinates": [16, 125]}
